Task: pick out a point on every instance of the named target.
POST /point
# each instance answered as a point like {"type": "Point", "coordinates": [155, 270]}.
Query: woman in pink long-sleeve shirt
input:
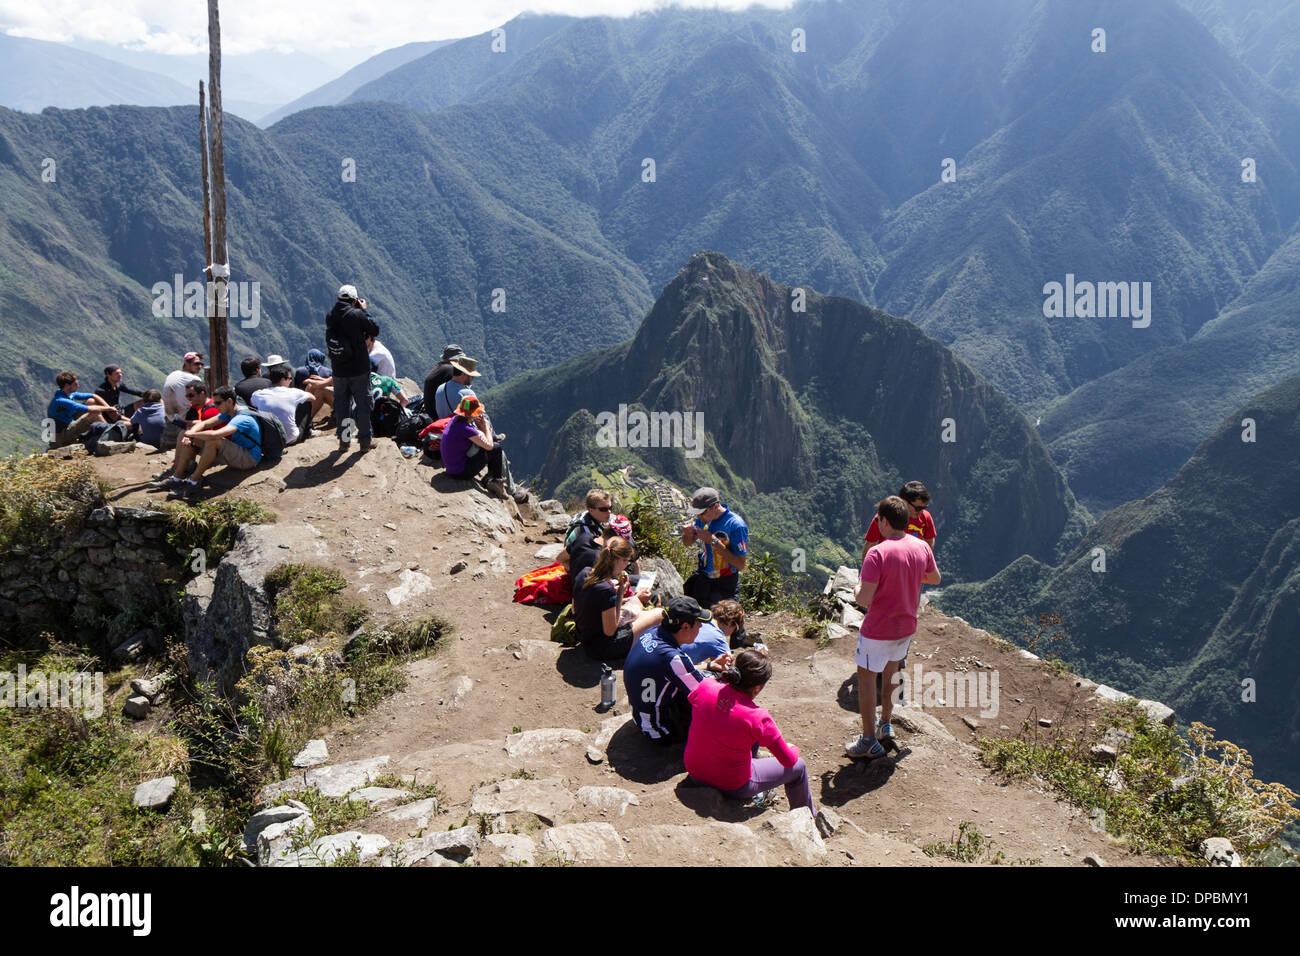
{"type": "Point", "coordinates": [727, 729]}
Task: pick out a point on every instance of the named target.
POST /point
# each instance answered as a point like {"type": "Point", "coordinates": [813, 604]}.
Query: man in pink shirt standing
{"type": "Point", "coordinates": [889, 587]}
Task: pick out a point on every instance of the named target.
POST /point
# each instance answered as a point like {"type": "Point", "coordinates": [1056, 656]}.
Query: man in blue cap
{"type": "Point", "coordinates": [659, 676]}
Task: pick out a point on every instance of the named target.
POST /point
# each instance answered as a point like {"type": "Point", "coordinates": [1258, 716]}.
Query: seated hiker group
{"type": "Point", "coordinates": [691, 671]}
{"type": "Point", "coordinates": [276, 404]}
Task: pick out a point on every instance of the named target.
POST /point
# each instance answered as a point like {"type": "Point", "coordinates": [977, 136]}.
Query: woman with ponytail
{"type": "Point", "coordinates": [597, 598]}
{"type": "Point", "coordinates": [727, 729]}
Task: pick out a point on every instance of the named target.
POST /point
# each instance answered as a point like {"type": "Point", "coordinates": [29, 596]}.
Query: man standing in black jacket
{"type": "Point", "coordinates": [346, 328]}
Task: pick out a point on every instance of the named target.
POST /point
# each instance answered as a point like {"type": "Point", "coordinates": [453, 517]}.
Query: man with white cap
{"type": "Point", "coordinates": [346, 329]}
{"type": "Point", "coordinates": [725, 540]}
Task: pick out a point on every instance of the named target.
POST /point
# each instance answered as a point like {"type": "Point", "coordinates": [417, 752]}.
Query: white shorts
{"type": "Point", "coordinates": [873, 655]}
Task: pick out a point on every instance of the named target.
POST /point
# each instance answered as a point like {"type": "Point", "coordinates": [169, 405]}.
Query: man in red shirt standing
{"type": "Point", "coordinates": [919, 523]}
{"type": "Point", "coordinates": [889, 587]}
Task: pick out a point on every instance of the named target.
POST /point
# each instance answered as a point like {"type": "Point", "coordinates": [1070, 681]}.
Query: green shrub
{"type": "Point", "coordinates": [211, 525]}
{"type": "Point", "coordinates": [763, 585]}
{"type": "Point", "coordinates": [309, 603]}
{"type": "Point", "coordinates": [1176, 791]}
{"type": "Point", "coordinates": [655, 535]}
{"type": "Point", "coordinates": [66, 782]}
{"type": "Point", "coordinates": [42, 499]}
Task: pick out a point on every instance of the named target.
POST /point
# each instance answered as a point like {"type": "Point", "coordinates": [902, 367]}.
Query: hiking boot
{"type": "Point", "coordinates": [182, 490]}
{"type": "Point", "coordinates": [366, 446]}
{"type": "Point", "coordinates": [162, 482]}
{"type": "Point", "coordinates": [867, 747]}
{"type": "Point", "coordinates": [763, 800]}
{"type": "Point", "coordinates": [497, 487]}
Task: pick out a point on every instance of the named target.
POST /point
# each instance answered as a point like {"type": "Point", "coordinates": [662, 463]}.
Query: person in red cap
{"type": "Point", "coordinates": [175, 404]}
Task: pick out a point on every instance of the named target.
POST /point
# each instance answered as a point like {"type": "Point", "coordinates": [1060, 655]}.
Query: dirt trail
{"type": "Point", "coordinates": [501, 704]}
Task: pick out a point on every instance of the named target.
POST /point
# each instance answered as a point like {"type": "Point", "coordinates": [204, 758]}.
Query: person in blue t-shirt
{"type": "Point", "coordinates": [725, 536]}
{"type": "Point", "coordinates": [74, 412]}
{"type": "Point", "coordinates": [229, 438]}
{"type": "Point", "coordinates": [658, 676]}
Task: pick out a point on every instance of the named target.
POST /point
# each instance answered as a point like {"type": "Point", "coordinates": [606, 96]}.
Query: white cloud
{"type": "Point", "coordinates": [308, 26]}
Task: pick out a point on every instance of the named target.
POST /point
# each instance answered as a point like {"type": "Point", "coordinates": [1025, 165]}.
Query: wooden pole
{"type": "Point", "coordinates": [207, 216]}
{"type": "Point", "coordinates": [220, 263]}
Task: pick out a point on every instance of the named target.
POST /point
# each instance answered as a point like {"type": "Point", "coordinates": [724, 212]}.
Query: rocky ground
{"type": "Point", "coordinates": [506, 723]}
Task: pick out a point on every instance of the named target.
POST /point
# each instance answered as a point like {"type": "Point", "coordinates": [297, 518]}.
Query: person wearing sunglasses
{"type": "Point", "coordinates": [175, 402]}
{"type": "Point", "coordinates": [588, 534]}
{"type": "Point", "coordinates": [919, 523]}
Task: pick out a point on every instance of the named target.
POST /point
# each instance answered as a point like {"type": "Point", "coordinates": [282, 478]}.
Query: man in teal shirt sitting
{"type": "Point", "coordinates": [228, 438]}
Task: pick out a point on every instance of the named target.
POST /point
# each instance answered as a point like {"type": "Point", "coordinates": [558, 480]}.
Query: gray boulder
{"type": "Point", "coordinates": [328, 849]}
{"type": "Point", "coordinates": [154, 794]}
{"type": "Point", "coordinates": [668, 583]}
{"type": "Point", "coordinates": [585, 843]}
{"type": "Point", "coordinates": [259, 821]}
{"type": "Point", "coordinates": [1158, 712]}
{"type": "Point", "coordinates": [146, 688]}
{"type": "Point", "coordinates": [313, 754]}
{"type": "Point", "coordinates": [798, 830]}
{"type": "Point", "coordinates": [545, 799]}
{"type": "Point", "coordinates": [1219, 851]}
{"type": "Point", "coordinates": [379, 798]}
{"type": "Point", "coordinates": [227, 609]}
{"type": "Point", "coordinates": [548, 553]}
{"type": "Point", "coordinates": [843, 584]}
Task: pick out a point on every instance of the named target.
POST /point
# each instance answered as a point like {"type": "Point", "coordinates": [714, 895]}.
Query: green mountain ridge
{"type": "Point", "coordinates": [1201, 587]}
{"type": "Point", "coordinates": [811, 421]}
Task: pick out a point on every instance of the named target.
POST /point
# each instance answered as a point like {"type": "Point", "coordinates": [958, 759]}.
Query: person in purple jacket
{"type": "Point", "coordinates": [467, 444]}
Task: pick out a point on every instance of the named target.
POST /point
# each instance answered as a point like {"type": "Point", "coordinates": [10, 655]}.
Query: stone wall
{"type": "Point", "coordinates": [119, 560]}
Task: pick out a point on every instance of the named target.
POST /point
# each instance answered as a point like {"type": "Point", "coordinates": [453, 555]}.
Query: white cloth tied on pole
{"type": "Point", "coordinates": [221, 271]}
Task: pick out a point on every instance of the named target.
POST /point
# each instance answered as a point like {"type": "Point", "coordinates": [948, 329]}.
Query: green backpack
{"type": "Point", "coordinates": [564, 631]}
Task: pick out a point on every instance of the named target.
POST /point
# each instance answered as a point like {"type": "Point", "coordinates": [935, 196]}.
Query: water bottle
{"type": "Point", "coordinates": [410, 451]}
{"type": "Point", "coordinates": [607, 687]}
{"type": "Point", "coordinates": [709, 570]}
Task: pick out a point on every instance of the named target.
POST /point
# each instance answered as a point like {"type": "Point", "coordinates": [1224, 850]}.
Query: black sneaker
{"type": "Point", "coordinates": [182, 490]}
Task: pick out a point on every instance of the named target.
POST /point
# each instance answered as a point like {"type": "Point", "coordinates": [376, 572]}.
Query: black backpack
{"type": "Point", "coordinates": [102, 431]}
{"type": "Point", "coordinates": [386, 417]}
{"type": "Point", "coordinates": [272, 439]}
{"type": "Point", "coordinates": [409, 428]}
